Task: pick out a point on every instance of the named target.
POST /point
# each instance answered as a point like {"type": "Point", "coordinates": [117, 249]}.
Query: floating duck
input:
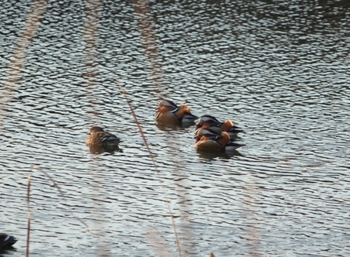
{"type": "Point", "coordinates": [167, 112]}
{"type": "Point", "coordinates": [99, 140]}
{"type": "Point", "coordinates": [6, 240]}
{"type": "Point", "coordinates": [209, 139]}
{"type": "Point", "coordinates": [208, 121]}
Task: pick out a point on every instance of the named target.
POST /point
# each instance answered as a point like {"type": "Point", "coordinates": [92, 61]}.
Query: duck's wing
{"type": "Point", "coordinates": [208, 119]}
{"type": "Point", "coordinates": [108, 137]}
{"type": "Point", "coordinates": [167, 103]}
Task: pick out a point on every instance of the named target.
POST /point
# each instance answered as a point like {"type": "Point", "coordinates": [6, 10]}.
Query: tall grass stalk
{"type": "Point", "coordinates": [154, 164]}
{"type": "Point", "coordinates": [28, 204]}
{"type": "Point", "coordinates": [62, 195]}
{"type": "Point", "coordinates": [28, 218]}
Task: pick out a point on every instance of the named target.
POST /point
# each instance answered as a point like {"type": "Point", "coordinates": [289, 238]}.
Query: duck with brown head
{"type": "Point", "coordinates": [98, 138]}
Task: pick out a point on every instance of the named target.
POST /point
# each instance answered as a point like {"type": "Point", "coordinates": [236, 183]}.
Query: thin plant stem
{"type": "Point", "coordinates": [28, 217]}
{"type": "Point", "coordinates": [62, 195]}
{"type": "Point", "coordinates": [154, 164]}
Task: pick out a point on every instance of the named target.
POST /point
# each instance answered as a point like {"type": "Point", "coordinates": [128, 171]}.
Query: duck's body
{"type": "Point", "coordinates": [208, 121]}
{"type": "Point", "coordinates": [6, 240]}
{"type": "Point", "coordinates": [212, 139]}
{"type": "Point", "coordinates": [168, 112]}
{"type": "Point", "coordinates": [98, 138]}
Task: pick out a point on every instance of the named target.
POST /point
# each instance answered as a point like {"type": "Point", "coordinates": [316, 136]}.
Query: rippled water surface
{"type": "Point", "coordinates": [279, 69]}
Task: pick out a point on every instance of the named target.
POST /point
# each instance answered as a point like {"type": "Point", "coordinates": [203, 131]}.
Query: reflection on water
{"type": "Point", "coordinates": [220, 154]}
{"type": "Point", "coordinates": [279, 69]}
{"type": "Point", "coordinates": [10, 80]}
{"type": "Point", "coordinates": [9, 252]}
{"type": "Point", "coordinates": [99, 149]}
{"type": "Point", "coordinates": [170, 126]}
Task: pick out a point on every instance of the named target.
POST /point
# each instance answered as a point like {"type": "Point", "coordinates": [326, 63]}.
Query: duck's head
{"type": "Point", "coordinates": [95, 129]}
{"type": "Point", "coordinates": [224, 139]}
{"type": "Point", "coordinates": [183, 113]}
{"type": "Point", "coordinates": [226, 125]}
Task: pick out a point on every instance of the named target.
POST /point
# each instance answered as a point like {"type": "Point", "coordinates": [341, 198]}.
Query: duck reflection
{"type": "Point", "coordinates": [100, 149]}
{"type": "Point", "coordinates": [218, 154]}
{"type": "Point", "coordinates": [174, 126]}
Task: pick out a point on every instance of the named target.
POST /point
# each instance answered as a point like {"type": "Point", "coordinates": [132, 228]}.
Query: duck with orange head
{"type": "Point", "coordinates": [208, 121]}
{"type": "Point", "coordinates": [167, 112]}
{"type": "Point", "coordinates": [213, 139]}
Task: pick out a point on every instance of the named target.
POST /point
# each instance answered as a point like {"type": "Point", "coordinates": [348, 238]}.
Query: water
{"type": "Point", "coordinates": [279, 70]}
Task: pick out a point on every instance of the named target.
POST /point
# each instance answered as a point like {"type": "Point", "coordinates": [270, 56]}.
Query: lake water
{"type": "Point", "coordinates": [279, 69]}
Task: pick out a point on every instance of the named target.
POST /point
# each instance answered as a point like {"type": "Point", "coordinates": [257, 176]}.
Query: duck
{"type": "Point", "coordinates": [168, 112]}
{"type": "Point", "coordinates": [208, 121]}
{"type": "Point", "coordinates": [214, 139]}
{"type": "Point", "coordinates": [6, 240]}
{"type": "Point", "coordinates": [100, 139]}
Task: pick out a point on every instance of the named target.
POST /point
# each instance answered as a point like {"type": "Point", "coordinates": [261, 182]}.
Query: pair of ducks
{"type": "Point", "coordinates": [99, 140]}
{"type": "Point", "coordinates": [210, 133]}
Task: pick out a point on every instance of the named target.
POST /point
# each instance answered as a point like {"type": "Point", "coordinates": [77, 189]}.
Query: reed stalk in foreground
{"type": "Point", "coordinates": [28, 219]}
{"type": "Point", "coordinates": [62, 195]}
{"type": "Point", "coordinates": [28, 204]}
{"type": "Point", "coordinates": [155, 166]}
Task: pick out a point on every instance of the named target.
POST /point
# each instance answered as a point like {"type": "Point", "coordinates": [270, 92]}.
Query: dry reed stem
{"type": "Point", "coordinates": [149, 43]}
{"type": "Point", "coordinates": [62, 195]}
{"type": "Point", "coordinates": [28, 218]}
{"type": "Point", "coordinates": [154, 164]}
{"type": "Point", "coordinates": [28, 204]}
